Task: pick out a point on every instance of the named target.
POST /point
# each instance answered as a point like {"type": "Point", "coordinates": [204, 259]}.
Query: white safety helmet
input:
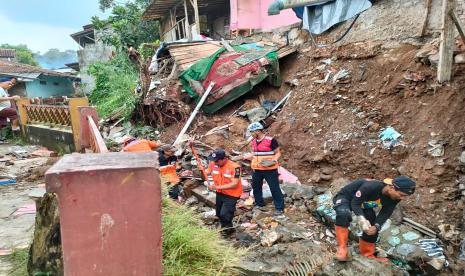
{"type": "Point", "coordinates": [254, 126]}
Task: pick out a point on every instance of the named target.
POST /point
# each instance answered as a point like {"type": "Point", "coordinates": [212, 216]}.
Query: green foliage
{"type": "Point", "coordinates": [127, 27]}
{"type": "Point", "coordinates": [145, 132]}
{"type": "Point", "coordinates": [192, 249]}
{"type": "Point", "coordinates": [115, 82]}
{"type": "Point", "coordinates": [23, 53]}
{"type": "Point", "coordinates": [18, 259]}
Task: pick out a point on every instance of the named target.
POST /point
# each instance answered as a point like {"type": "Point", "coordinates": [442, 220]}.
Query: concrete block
{"type": "Point", "coordinates": [110, 213]}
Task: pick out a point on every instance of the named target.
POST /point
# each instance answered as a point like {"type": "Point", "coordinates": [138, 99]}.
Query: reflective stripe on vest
{"type": "Point", "coordinates": [262, 151]}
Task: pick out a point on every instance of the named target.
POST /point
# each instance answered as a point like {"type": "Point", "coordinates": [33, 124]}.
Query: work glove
{"type": "Point", "coordinates": [363, 223]}
{"type": "Point", "coordinates": [247, 156]}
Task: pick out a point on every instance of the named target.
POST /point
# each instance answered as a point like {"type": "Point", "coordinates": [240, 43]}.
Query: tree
{"type": "Point", "coordinates": [23, 53]}
{"type": "Point", "coordinates": [127, 27]}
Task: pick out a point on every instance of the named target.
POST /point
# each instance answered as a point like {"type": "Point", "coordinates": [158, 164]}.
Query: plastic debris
{"type": "Point", "coordinates": [394, 241]}
{"type": "Point", "coordinates": [390, 137]}
{"type": "Point", "coordinates": [7, 181]}
{"type": "Point", "coordinates": [25, 210]}
{"type": "Point", "coordinates": [431, 247]}
{"type": "Point", "coordinates": [436, 148]}
{"type": "Point", "coordinates": [406, 249]}
{"type": "Point", "coordinates": [410, 236]}
{"type": "Point", "coordinates": [448, 231]}
{"type": "Point", "coordinates": [343, 73]}
{"type": "Point", "coordinates": [395, 231]}
{"type": "Point", "coordinates": [462, 250]}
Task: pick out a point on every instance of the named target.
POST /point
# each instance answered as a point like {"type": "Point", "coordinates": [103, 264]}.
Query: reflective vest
{"type": "Point", "coordinates": [168, 174]}
{"type": "Point", "coordinates": [225, 175]}
{"type": "Point", "coordinates": [140, 146]}
{"type": "Point", "coordinates": [262, 151]}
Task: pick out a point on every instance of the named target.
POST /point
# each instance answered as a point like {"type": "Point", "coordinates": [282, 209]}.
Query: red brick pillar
{"type": "Point", "coordinates": [110, 213]}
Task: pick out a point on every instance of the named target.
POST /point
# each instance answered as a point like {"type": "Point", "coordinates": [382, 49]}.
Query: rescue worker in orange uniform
{"type": "Point", "coordinates": [265, 166]}
{"type": "Point", "coordinates": [168, 169]}
{"type": "Point", "coordinates": [360, 197]}
{"type": "Point", "coordinates": [228, 186]}
{"type": "Point", "coordinates": [132, 144]}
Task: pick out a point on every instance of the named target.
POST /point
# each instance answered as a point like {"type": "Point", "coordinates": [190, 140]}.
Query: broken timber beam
{"type": "Point", "coordinates": [425, 18]}
{"type": "Point", "coordinates": [194, 113]}
{"type": "Point", "coordinates": [227, 46]}
{"type": "Point", "coordinates": [446, 48]}
{"type": "Point", "coordinates": [458, 24]}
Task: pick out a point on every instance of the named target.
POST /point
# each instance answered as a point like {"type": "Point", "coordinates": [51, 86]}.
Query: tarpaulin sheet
{"type": "Point", "coordinates": [319, 18]}
{"type": "Point", "coordinates": [231, 79]}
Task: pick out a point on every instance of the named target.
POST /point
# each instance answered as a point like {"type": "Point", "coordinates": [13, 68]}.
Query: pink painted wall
{"type": "Point", "coordinates": [253, 14]}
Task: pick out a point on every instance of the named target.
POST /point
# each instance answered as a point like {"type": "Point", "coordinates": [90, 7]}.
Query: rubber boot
{"type": "Point", "coordinates": [342, 236]}
{"type": "Point", "coordinates": [367, 249]}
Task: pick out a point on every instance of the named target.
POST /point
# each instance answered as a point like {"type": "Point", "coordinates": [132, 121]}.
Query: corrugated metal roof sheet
{"type": "Point", "coordinates": [18, 69]}
{"type": "Point", "coordinates": [7, 53]}
{"type": "Point", "coordinates": [160, 8]}
{"type": "Point", "coordinates": [185, 55]}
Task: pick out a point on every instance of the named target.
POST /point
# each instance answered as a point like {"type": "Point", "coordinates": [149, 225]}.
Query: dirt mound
{"type": "Point", "coordinates": [334, 126]}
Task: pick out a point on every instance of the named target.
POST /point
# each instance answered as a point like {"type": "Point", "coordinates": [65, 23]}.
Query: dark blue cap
{"type": "Point", "coordinates": [4, 79]}
{"type": "Point", "coordinates": [404, 184]}
{"type": "Point", "coordinates": [216, 155]}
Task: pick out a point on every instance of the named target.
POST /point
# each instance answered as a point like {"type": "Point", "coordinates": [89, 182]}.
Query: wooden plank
{"type": "Point", "coordinates": [73, 104]}
{"type": "Point", "coordinates": [187, 60]}
{"type": "Point", "coordinates": [193, 49]}
{"type": "Point", "coordinates": [286, 51]}
{"type": "Point", "coordinates": [196, 55]}
{"type": "Point", "coordinates": [446, 48]}
{"type": "Point", "coordinates": [196, 15]}
{"type": "Point", "coordinates": [458, 24]}
{"type": "Point", "coordinates": [425, 17]}
{"type": "Point", "coordinates": [208, 51]}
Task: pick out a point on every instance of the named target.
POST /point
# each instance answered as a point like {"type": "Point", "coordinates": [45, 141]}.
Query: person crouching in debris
{"type": "Point", "coordinates": [265, 165]}
{"type": "Point", "coordinates": [228, 186]}
{"type": "Point", "coordinates": [131, 144]}
{"type": "Point", "coordinates": [360, 197]}
{"type": "Point", "coordinates": [168, 169]}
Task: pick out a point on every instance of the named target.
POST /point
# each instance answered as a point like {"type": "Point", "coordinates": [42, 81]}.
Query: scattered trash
{"type": "Point", "coordinates": [342, 74]}
{"type": "Point", "coordinates": [448, 231]}
{"type": "Point", "coordinates": [462, 250]}
{"type": "Point", "coordinates": [269, 238]}
{"type": "Point", "coordinates": [5, 252]}
{"type": "Point", "coordinates": [431, 247]}
{"type": "Point", "coordinates": [436, 148]}
{"type": "Point", "coordinates": [419, 227]}
{"type": "Point", "coordinates": [44, 152]}
{"type": "Point", "coordinates": [255, 114]}
{"type": "Point", "coordinates": [410, 236]}
{"type": "Point", "coordinates": [462, 158]}
{"type": "Point", "coordinates": [25, 210]}
{"type": "Point", "coordinates": [7, 181]}
{"type": "Point", "coordinates": [250, 226]}
{"type": "Point", "coordinates": [390, 137]}
{"type": "Point", "coordinates": [406, 249]}
{"type": "Point", "coordinates": [268, 105]}
{"type": "Point", "coordinates": [394, 241]}
{"type": "Point", "coordinates": [209, 214]}
{"type": "Point", "coordinates": [416, 77]}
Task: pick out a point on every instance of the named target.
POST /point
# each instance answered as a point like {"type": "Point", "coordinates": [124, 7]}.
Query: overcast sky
{"type": "Point", "coordinates": [45, 24]}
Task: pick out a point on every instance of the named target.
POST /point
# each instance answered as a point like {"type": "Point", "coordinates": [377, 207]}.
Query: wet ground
{"type": "Point", "coordinates": [17, 227]}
